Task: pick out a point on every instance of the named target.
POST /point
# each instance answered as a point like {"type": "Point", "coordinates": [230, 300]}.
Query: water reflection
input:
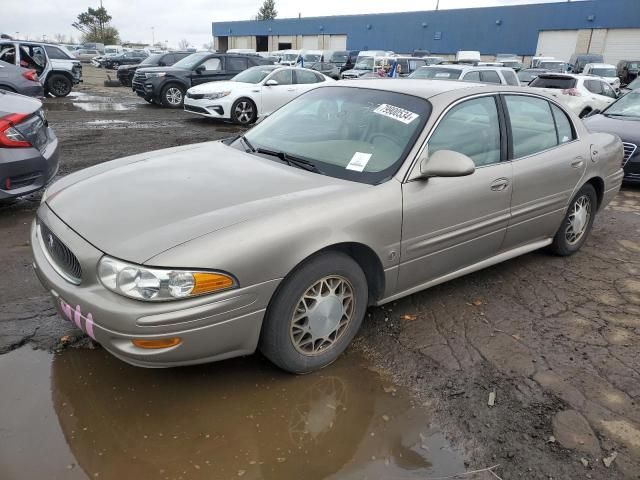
{"type": "Point", "coordinates": [239, 418]}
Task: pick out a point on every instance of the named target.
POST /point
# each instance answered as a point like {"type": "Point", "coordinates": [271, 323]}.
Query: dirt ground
{"type": "Point", "coordinates": [556, 341]}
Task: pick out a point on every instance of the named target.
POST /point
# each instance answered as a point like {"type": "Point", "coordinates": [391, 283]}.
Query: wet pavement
{"type": "Point", "coordinates": [88, 415]}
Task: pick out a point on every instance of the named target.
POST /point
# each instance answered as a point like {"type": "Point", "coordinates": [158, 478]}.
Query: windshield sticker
{"type": "Point", "coordinates": [397, 113]}
{"type": "Point", "coordinates": [359, 161]}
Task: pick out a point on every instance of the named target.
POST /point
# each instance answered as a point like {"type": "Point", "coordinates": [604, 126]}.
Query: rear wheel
{"type": "Point", "coordinates": [577, 222]}
{"type": "Point", "coordinates": [244, 112]}
{"type": "Point", "coordinates": [315, 313]}
{"type": "Point", "coordinates": [172, 96]}
{"type": "Point", "coordinates": [59, 85]}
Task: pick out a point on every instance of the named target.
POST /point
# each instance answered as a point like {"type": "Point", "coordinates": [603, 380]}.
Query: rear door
{"type": "Point", "coordinates": [598, 97]}
{"type": "Point", "coordinates": [548, 164]}
{"type": "Point", "coordinates": [235, 65]}
{"type": "Point", "coordinates": [451, 223]}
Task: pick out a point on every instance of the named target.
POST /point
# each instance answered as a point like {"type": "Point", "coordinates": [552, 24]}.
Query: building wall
{"type": "Point", "coordinates": [490, 30]}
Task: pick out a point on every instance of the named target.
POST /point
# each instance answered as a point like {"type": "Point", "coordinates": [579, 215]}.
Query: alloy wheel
{"type": "Point", "coordinates": [322, 315]}
{"type": "Point", "coordinates": [578, 221]}
{"type": "Point", "coordinates": [174, 96]}
{"type": "Point", "coordinates": [244, 112]}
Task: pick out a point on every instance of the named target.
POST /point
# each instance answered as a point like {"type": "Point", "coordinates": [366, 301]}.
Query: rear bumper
{"type": "Point", "coordinates": [28, 169]}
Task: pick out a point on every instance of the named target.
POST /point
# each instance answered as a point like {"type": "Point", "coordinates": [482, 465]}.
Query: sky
{"type": "Point", "coordinates": [144, 20]}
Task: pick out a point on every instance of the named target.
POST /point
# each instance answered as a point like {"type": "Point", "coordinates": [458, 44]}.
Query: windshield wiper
{"type": "Point", "coordinates": [291, 160]}
{"type": "Point", "coordinates": [247, 143]}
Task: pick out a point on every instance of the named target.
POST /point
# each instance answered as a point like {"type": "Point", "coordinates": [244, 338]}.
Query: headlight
{"type": "Point", "coordinates": [159, 284]}
{"type": "Point", "coordinates": [216, 95]}
{"type": "Point", "coordinates": [155, 74]}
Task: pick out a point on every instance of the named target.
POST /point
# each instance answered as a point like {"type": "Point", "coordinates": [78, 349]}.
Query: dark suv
{"type": "Point", "coordinates": [126, 58]}
{"type": "Point", "coordinates": [125, 72]}
{"type": "Point", "coordinates": [628, 71]}
{"type": "Point", "coordinates": [167, 85]}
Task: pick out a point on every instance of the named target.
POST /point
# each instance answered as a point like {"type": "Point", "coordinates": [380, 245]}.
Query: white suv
{"type": "Point", "coordinates": [581, 93]}
{"type": "Point", "coordinates": [468, 73]}
{"type": "Point", "coordinates": [605, 71]}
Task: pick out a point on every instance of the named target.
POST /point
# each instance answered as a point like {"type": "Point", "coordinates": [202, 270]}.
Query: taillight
{"type": "Point", "coordinates": [31, 75]}
{"type": "Point", "coordinates": [10, 137]}
{"type": "Point", "coordinates": [572, 92]}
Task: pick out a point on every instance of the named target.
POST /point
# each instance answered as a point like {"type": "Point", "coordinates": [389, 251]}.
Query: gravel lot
{"type": "Point", "coordinates": [556, 339]}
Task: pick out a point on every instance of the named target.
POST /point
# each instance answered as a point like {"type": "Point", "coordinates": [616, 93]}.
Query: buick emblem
{"type": "Point", "coordinates": [50, 241]}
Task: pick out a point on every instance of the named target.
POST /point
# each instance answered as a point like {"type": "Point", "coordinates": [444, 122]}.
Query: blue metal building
{"type": "Point", "coordinates": [515, 29]}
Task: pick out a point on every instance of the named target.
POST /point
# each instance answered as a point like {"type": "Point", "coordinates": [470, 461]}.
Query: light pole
{"type": "Point", "coordinates": [437, 4]}
{"type": "Point", "coordinates": [17, 35]}
{"type": "Point", "coordinates": [153, 36]}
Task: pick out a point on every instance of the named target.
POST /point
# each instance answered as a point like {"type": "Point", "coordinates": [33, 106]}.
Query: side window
{"type": "Point", "coordinates": [532, 126]}
{"type": "Point", "coordinates": [594, 86]}
{"type": "Point", "coordinates": [55, 53]}
{"type": "Point", "coordinates": [471, 128]}
{"type": "Point", "coordinates": [489, 76]}
{"type": "Point", "coordinates": [305, 76]}
{"type": "Point", "coordinates": [563, 125]}
{"type": "Point", "coordinates": [608, 91]}
{"type": "Point", "coordinates": [510, 78]}
{"type": "Point", "coordinates": [168, 59]}
{"type": "Point", "coordinates": [236, 64]}
{"type": "Point", "coordinates": [8, 54]}
{"type": "Point", "coordinates": [212, 65]}
{"type": "Point", "coordinates": [472, 77]}
{"type": "Point", "coordinates": [283, 77]}
{"type": "Point", "coordinates": [320, 78]}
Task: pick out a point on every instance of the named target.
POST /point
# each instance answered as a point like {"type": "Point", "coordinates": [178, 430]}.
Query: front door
{"type": "Point", "coordinates": [548, 164]}
{"type": "Point", "coordinates": [274, 96]}
{"type": "Point", "coordinates": [211, 70]}
{"type": "Point", "coordinates": [450, 223]}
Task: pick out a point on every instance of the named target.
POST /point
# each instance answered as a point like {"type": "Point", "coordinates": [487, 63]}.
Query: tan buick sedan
{"type": "Point", "coordinates": [353, 194]}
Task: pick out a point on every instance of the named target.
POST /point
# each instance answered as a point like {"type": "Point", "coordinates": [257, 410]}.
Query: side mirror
{"type": "Point", "coordinates": [446, 163]}
{"type": "Point", "coordinates": [271, 83]}
{"type": "Point", "coordinates": [200, 69]}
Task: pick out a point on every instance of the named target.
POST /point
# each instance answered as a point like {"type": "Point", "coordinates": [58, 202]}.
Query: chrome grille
{"type": "Point", "coordinates": [629, 150]}
{"type": "Point", "coordinates": [61, 258]}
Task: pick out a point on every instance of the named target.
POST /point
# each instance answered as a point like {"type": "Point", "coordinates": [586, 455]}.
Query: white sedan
{"type": "Point", "coordinates": [254, 93]}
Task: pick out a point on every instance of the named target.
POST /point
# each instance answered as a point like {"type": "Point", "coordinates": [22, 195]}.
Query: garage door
{"type": "Point", "coordinates": [623, 44]}
{"type": "Point", "coordinates": [310, 42]}
{"type": "Point", "coordinates": [338, 42]}
{"type": "Point", "coordinates": [560, 44]}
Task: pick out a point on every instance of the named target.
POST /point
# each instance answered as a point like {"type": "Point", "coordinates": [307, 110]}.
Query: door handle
{"type": "Point", "coordinates": [500, 184]}
{"type": "Point", "coordinates": [578, 162]}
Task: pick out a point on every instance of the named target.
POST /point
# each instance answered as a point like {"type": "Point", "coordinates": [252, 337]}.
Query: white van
{"type": "Point", "coordinates": [535, 61]}
{"type": "Point", "coordinates": [291, 57]}
{"type": "Point", "coordinates": [470, 56]}
{"type": "Point", "coordinates": [113, 49]}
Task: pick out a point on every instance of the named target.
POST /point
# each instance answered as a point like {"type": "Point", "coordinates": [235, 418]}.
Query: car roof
{"type": "Point", "coordinates": [569, 75]}
{"type": "Point", "coordinates": [417, 87]}
{"type": "Point", "coordinates": [464, 67]}
{"type": "Point", "coordinates": [600, 65]}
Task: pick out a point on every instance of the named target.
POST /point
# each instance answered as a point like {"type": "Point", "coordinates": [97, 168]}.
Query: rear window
{"type": "Point", "coordinates": [561, 83]}
{"type": "Point", "coordinates": [236, 64]}
{"type": "Point", "coordinates": [604, 72]}
{"type": "Point", "coordinates": [437, 73]}
{"type": "Point", "coordinates": [510, 78]}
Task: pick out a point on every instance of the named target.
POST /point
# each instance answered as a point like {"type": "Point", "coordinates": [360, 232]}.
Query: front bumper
{"type": "Point", "coordinates": [211, 328]}
{"type": "Point", "coordinates": [219, 108]}
{"type": "Point", "coordinates": [28, 169]}
{"type": "Point", "coordinates": [145, 87]}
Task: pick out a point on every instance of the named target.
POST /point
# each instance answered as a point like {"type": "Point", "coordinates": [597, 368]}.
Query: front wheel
{"type": "Point", "coordinates": [577, 222]}
{"type": "Point", "coordinates": [244, 112]}
{"type": "Point", "coordinates": [315, 313]}
{"type": "Point", "coordinates": [59, 85]}
{"type": "Point", "coordinates": [172, 96]}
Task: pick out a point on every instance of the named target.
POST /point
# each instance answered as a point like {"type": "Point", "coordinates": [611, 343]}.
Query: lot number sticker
{"type": "Point", "coordinates": [359, 161]}
{"type": "Point", "coordinates": [397, 113]}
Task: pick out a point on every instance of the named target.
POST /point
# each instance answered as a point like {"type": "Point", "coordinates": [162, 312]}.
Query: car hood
{"type": "Point", "coordinates": [128, 67]}
{"type": "Point", "coordinates": [137, 207]}
{"type": "Point", "coordinates": [222, 86]}
{"type": "Point", "coordinates": [627, 129]}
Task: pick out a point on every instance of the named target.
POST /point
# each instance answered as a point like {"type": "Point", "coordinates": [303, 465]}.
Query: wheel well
{"type": "Point", "coordinates": [59, 72]}
{"type": "Point", "coordinates": [7, 88]}
{"type": "Point", "coordinates": [172, 83]}
{"type": "Point", "coordinates": [368, 261]}
{"type": "Point", "coordinates": [598, 185]}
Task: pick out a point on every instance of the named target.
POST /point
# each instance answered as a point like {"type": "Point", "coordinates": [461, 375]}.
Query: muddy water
{"type": "Point", "coordinates": [84, 414]}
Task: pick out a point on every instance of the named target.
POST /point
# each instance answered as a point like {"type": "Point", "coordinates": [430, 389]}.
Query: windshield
{"type": "Point", "coordinates": [253, 75]}
{"type": "Point", "coordinates": [151, 60]}
{"type": "Point", "coordinates": [560, 83]}
{"type": "Point", "coordinates": [635, 84]}
{"type": "Point", "coordinates": [525, 76]}
{"type": "Point", "coordinates": [339, 57]}
{"type": "Point", "coordinates": [552, 66]}
{"type": "Point", "coordinates": [627, 106]}
{"type": "Point", "coordinates": [604, 72]}
{"type": "Point", "coordinates": [355, 134]}
{"type": "Point", "coordinates": [191, 61]}
{"type": "Point", "coordinates": [312, 57]}
{"type": "Point", "coordinates": [365, 63]}
{"type": "Point", "coordinates": [437, 73]}
{"type": "Point", "coordinates": [290, 57]}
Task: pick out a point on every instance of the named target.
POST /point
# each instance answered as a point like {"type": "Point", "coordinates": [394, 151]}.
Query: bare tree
{"type": "Point", "coordinates": [60, 38]}
{"type": "Point", "coordinates": [183, 44]}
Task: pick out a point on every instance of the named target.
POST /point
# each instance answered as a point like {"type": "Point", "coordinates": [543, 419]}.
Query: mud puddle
{"type": "Point", "coordinates": [84, 414]}
{"type": "Point", "coordinates": [90, 106]}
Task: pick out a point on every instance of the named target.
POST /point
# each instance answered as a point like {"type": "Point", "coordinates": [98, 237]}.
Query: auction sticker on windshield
{"type": "Point", "coordinates": [397, 113]}
{"type": "Point", "coordinates": [359, 161]}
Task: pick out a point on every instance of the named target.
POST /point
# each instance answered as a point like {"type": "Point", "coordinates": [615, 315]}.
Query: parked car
{"type": "Point", "coordinates": [28, 146]}
{"type": "Point", "coordinates": [468, 73]}
{"type": "Point", "coordinates": [528, 75]}
{"type": "Point", "coordinates": [580, 93]}
{"type": "Point", "coordinates": [630, 87]}
{"type": "Point", "coordinates": [368, 65]}
{"type": "Point", "coordinates": [354, 200]}
{"type": "Point", "coordinates": [433, 60]}
{"type": "Point", "coordinates": [93, 46]}
{"type": "Point", "coordinates": [420, 53]}
{"type": "Point", "coordinates": [605, 71]}
{"type": "Point", "coordinates": [167, 85]}
{"type": "Point", "coordinates": [57, 70]}
{"type": "Point", "coordinates": [85, 56]}
{"type": "Point", "coordinates": [621, 118]}
{"type": "Point", "coordinates": [252, 94]}
{"type": "Point", "coordinates": [126, 58]}
{"type": "Point", "coordinates": [351, 60]}
{"type": "Point", "coordinates": [331, 70]}
{"type": "Point", "coordinates": [20, 80]}
{"type": "Point", "coordinates": [468, 56]}
{"type": "Point", "coordinates": [291, 57]}
{"type": "Point", "coordinates": [113, 49]}
{"type": "Point", "coordinates": [515, 64]}
{"type": "Point", "coordinates": [628, 70]}
{"type": "Point", "coordinates": [312, 56]}
{"type": "Point", "coordinates": [578, 61]}
{"type": "Point", "coordinates": [125, 73]}
{"type": "Point", "coordinates": [554, 66]}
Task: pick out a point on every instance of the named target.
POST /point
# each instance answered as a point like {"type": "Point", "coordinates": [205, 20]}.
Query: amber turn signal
{"type": "Point", "coordinates": [210, 282]}
{"type": "Point", "coordinates": [157, 343]}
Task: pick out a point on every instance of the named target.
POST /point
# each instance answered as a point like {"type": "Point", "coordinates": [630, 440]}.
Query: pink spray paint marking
{"type": "Point", "coordinates": [76, 317]}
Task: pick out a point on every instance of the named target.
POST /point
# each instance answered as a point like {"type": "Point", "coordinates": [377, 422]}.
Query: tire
{"type": "Point", "coordinates": [291, 343]}
{"type": "Point", "coordinates": [172, 96]}
{"type": "Point", "coordinates": [244, 112]}
{"type": "Point", "coordinates": [565, 243]}
{"type": "Point", "coordinates": [59, 85]}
